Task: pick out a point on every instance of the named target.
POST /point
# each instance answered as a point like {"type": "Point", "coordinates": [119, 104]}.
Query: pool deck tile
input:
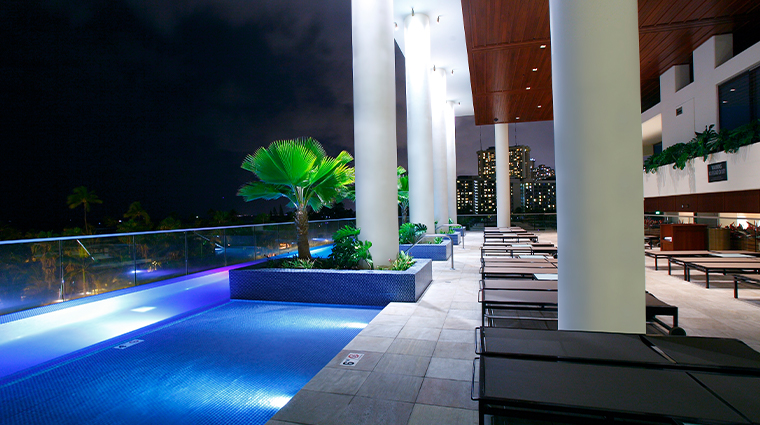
{"type": "Point", "coordinates": [446, 393]}
{"type": "Point", "coordinates": [403, 364]}
{"type": "Point", "coordinates": [390, 386]}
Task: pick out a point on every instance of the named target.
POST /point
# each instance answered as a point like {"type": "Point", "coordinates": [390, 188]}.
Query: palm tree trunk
{"type": "Point", "coordinates": [302, 233]}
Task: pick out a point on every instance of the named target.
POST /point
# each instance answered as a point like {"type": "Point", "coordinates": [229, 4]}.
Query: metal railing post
{"type": "Point", "coordinates": [224, 244]}
{"type": "Point", "coordinates": [62, 294]}
{"type": "Point", "coordinates": [187, 257]}
{"type": "Point", "coordinates": [134, 261]}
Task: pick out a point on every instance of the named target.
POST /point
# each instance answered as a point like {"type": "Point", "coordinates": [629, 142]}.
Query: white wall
{"type": "Point", "coordinates": [742, 169]}
{"type": "Point", "coordinates": [699, 99]}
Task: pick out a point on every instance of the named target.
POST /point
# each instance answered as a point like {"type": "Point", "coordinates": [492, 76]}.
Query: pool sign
{"type": "Point", "coordinates": [128, 344]}
{"type": "Point", "coordinates": [351, 359]}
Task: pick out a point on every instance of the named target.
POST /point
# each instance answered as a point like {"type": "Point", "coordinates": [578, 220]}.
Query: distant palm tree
{"type": "Point", "coordinates": [300, 171]}
{"type": "Point", "coordinates": [136, 212]}
{"type": "Point", "coordinates": [82, 196]}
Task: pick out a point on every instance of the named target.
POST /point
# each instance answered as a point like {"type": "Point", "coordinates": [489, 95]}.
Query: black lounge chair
{"type": "Point", "coordinates": [593, 377]}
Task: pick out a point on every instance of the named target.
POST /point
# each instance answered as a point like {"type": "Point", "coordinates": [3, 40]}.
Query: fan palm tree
{"type": "Point", "coordinates": [82, 196]}
{"type": "Point", "coordinates": [136, 212]}
{"type": "Point", "coordinates": [300, 171]}
{"type": "Point", "coordinates": [403, 192]}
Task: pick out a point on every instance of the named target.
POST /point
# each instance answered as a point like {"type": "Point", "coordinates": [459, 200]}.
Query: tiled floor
{"type": "Point", "coordinates": [417, 364]}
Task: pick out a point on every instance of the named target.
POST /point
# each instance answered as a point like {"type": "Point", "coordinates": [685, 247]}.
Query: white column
{"type": "Point", "coordinates": [375, 126]}
{"type": "Point", "coordinates": [451, 159]}
{"type": "Point", "coordinates": [503, 195]}
{"type": "Point", "coordinates": [597, 128]}
{"type": "Point", "coordinates": [440, 174]}
{"type": "Point", "coordinates": [419, 120]}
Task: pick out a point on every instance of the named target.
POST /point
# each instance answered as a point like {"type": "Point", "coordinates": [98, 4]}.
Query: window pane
{"type": "Point", "coordinates": [734, 102]}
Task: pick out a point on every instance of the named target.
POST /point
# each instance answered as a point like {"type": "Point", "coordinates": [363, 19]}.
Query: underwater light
{"type": "Point", "coordinates": [356, 325]}
{"type": "Point", "coordinates": [143, 309]}
{"type": "Point", "coordinates": [279, 402]}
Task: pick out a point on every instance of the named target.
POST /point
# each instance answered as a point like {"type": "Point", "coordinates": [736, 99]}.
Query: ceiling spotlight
{"type": "Point", "coordinates": [543, 46]}
{"type": "Point", "coordinates": [534, 69]}
{"type": "Point", "coordinates": [527, 88]}
{"type": "Point", "coordinates": [539, 106]}
{"type": "Point", "coordinates": [733, 89]}
{"type": "Point", "coordinates": [517, 118]}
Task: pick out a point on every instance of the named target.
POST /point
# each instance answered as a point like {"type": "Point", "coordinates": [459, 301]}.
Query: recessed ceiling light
{"type": "Point", "coordinates": [527, 88]}
{"type": "Point", "coordinates": [539, 106]}
{"type": "Point", "coordinates": [517, 118]}
{"type": "Point", "coordinates": [535, 69]}
{"type": "Point", "coordinates": [725, 101]}
{"type": "Point", "coordinates": [733, 89]}
{"type": "Point", "coordinates": [543, 46]}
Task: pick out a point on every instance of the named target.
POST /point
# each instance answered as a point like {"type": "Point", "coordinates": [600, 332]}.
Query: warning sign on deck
{"type": "Point", "coordinates": [351, 359]}
{"type": "Point", "coordinates": [128, 344]}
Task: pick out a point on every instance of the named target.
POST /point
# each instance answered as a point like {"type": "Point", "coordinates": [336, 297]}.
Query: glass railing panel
{"type": "Point", "coordinates": [98, 265]}
{"type": "Point", "coordinates": [30, 276]}
{"type": "Point", "coordinates": [286, 239]}
{"type": "Point", "coordinates": [266, 241]}
{"type": "Point", "coordinates": [205, 250]}
{"type": "Point", "coordinates": [159, 256]}
{"type": "Point", "coordinates": [241, 245]}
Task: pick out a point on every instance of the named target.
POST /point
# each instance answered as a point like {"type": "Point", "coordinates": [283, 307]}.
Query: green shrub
{"type": "Point", "coordinates": [703, 144]}
{"type": "Point", "coordinates": [410, 233]}
{"type": "Point", "coordinates": [402, 262]}
{"type": "Point", "coordinates": [298, 263]}
{"type": "Point", "coordinates": [348, 251]}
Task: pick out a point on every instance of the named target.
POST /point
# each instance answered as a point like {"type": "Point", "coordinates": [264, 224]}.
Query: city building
{"type": "Point", "coordinates": [520, 162]}
{"type": "Point", "coordinates": [542, 172]}
{"type": "Point", "coordinates": [467, 194]}
{"type": "Point", "coordinates": [538, 196]}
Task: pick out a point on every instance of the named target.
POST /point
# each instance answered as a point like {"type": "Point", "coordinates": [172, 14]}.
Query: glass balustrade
{"type": "Point", "coordinates": [38, 272]}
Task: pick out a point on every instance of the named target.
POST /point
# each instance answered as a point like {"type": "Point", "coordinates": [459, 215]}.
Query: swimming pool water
{"type": "Point", "coordinates": [237, 363]}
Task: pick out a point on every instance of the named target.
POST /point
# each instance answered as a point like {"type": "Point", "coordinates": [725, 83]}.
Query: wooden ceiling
{"type": "Point", "coordinates": [510, 71]}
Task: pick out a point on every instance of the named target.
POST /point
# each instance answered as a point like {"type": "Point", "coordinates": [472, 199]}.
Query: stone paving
{"type": "Point", "coordinates": [417, 364]}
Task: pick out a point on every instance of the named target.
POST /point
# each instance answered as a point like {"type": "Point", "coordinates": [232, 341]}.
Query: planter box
{"type": "Point", "coordinates": [354, 287]}
{"type": "Point", "coordinates": [435, 252]}
{"type": "Point", "coordinates": [454, 238]}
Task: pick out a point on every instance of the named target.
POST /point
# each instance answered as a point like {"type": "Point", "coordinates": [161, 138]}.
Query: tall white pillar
{"type": "Point", "coordinates": [375, 126]}
{"type": "Point", "coordinates": [503, 195]}
{"type": "Point", "coordinates": [419, 120]}
{"type": "Point", "coordinates": [440, 173]}
{"type": "Point", "coordinates": [451, 159]}
{"type": "Point", "coordinates": [597, 128]}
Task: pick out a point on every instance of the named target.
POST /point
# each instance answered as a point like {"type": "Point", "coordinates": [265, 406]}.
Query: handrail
{"type": "Point", "coordinates": [437, 235]}
{"type": "Point", "coordinates": [108, 262]}
{"type": "Point", "coordinates": [155, 232]}
{"type": "Point", "coordinates": [456, 226]}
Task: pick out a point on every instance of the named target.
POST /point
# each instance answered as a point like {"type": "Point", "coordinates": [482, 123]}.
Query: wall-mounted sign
{"type": "Point", "coordinates": [717, 172]}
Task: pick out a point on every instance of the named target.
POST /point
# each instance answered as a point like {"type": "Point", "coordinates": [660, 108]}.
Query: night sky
{"type": "Point", "coordinates": [160, 101]}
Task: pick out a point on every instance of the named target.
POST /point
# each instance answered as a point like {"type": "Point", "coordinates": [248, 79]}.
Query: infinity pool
{"type": "Point", "coordinates": [237, 363]}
